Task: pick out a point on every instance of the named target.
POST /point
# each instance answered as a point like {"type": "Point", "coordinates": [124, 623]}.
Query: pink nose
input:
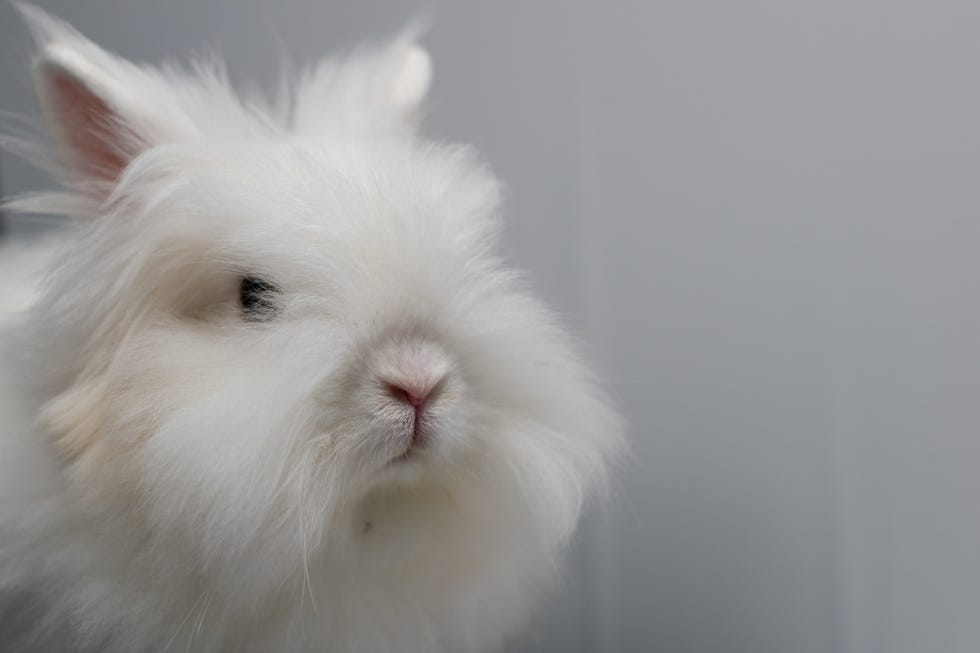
{"type": "Point", "coordinates": [412, 396]}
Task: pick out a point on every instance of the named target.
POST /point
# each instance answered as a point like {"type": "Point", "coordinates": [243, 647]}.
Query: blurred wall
{"type": "Point", "coordinates": [764, 217]}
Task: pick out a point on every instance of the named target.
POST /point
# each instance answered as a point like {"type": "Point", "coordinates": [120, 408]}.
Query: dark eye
{"type": "Point", "coordinates": [258, 299]}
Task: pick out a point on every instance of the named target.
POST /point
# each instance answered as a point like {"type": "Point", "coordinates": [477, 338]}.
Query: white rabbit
{"type": "Point", "coordinates": [277, 391]}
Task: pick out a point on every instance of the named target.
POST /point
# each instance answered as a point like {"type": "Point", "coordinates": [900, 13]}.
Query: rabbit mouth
{"type": "Point", "coordinates": [417, 440]}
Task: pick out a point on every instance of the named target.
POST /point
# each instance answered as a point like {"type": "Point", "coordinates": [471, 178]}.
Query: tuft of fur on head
{"type": "Point", "coordinates": [278, 391]}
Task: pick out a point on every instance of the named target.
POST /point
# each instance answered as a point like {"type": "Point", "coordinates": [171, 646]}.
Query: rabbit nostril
{"type": "Point", "coordinates": [411, 373]}
{"type": "Point", "coordinates": [414, 396]}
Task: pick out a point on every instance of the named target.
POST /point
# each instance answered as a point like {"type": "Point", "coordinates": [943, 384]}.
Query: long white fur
{"type": "Point", "coordinates": [173, 477]}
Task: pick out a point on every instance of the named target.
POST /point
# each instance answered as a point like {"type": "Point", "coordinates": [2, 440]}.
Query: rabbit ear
{"type": "Point", "coordinates": [371, 91]}
{"type": "Point", "coordinates": [412, 80]}
{"type": "Point", "coordinates": [90, 101]}
{"type": "Point", "coordinates": [84, 116]}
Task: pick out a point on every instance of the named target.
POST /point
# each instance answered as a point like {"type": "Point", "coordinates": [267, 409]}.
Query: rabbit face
{"type": "Point", "coordinates": [286, 326]}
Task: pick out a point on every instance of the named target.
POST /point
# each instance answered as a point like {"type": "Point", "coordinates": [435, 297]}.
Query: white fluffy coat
{"type": "Point", "coordinates": [178, 475]}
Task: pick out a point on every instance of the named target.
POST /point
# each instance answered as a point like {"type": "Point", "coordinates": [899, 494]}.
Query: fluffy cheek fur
{"type": "Point", "coordinates": [196, 442]}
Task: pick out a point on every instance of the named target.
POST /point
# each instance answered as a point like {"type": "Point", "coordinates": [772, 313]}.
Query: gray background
{"type": "Point", "coordinates": [763, 217]}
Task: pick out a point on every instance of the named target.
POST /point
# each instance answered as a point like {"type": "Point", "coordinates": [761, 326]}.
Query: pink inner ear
{"type": "Point", "coordinates": [90, 128]}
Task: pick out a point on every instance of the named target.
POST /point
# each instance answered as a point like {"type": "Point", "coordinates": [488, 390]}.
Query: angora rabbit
{"type": "Point", "coordinates": [277, 392]}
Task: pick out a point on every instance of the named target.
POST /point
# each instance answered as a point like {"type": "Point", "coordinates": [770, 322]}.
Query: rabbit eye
{"type": "Point", "coordinates": [257, 297]}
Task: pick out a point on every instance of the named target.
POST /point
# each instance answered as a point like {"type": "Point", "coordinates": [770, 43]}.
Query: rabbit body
{"type": "Point", "coordinates": [277, 392]}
